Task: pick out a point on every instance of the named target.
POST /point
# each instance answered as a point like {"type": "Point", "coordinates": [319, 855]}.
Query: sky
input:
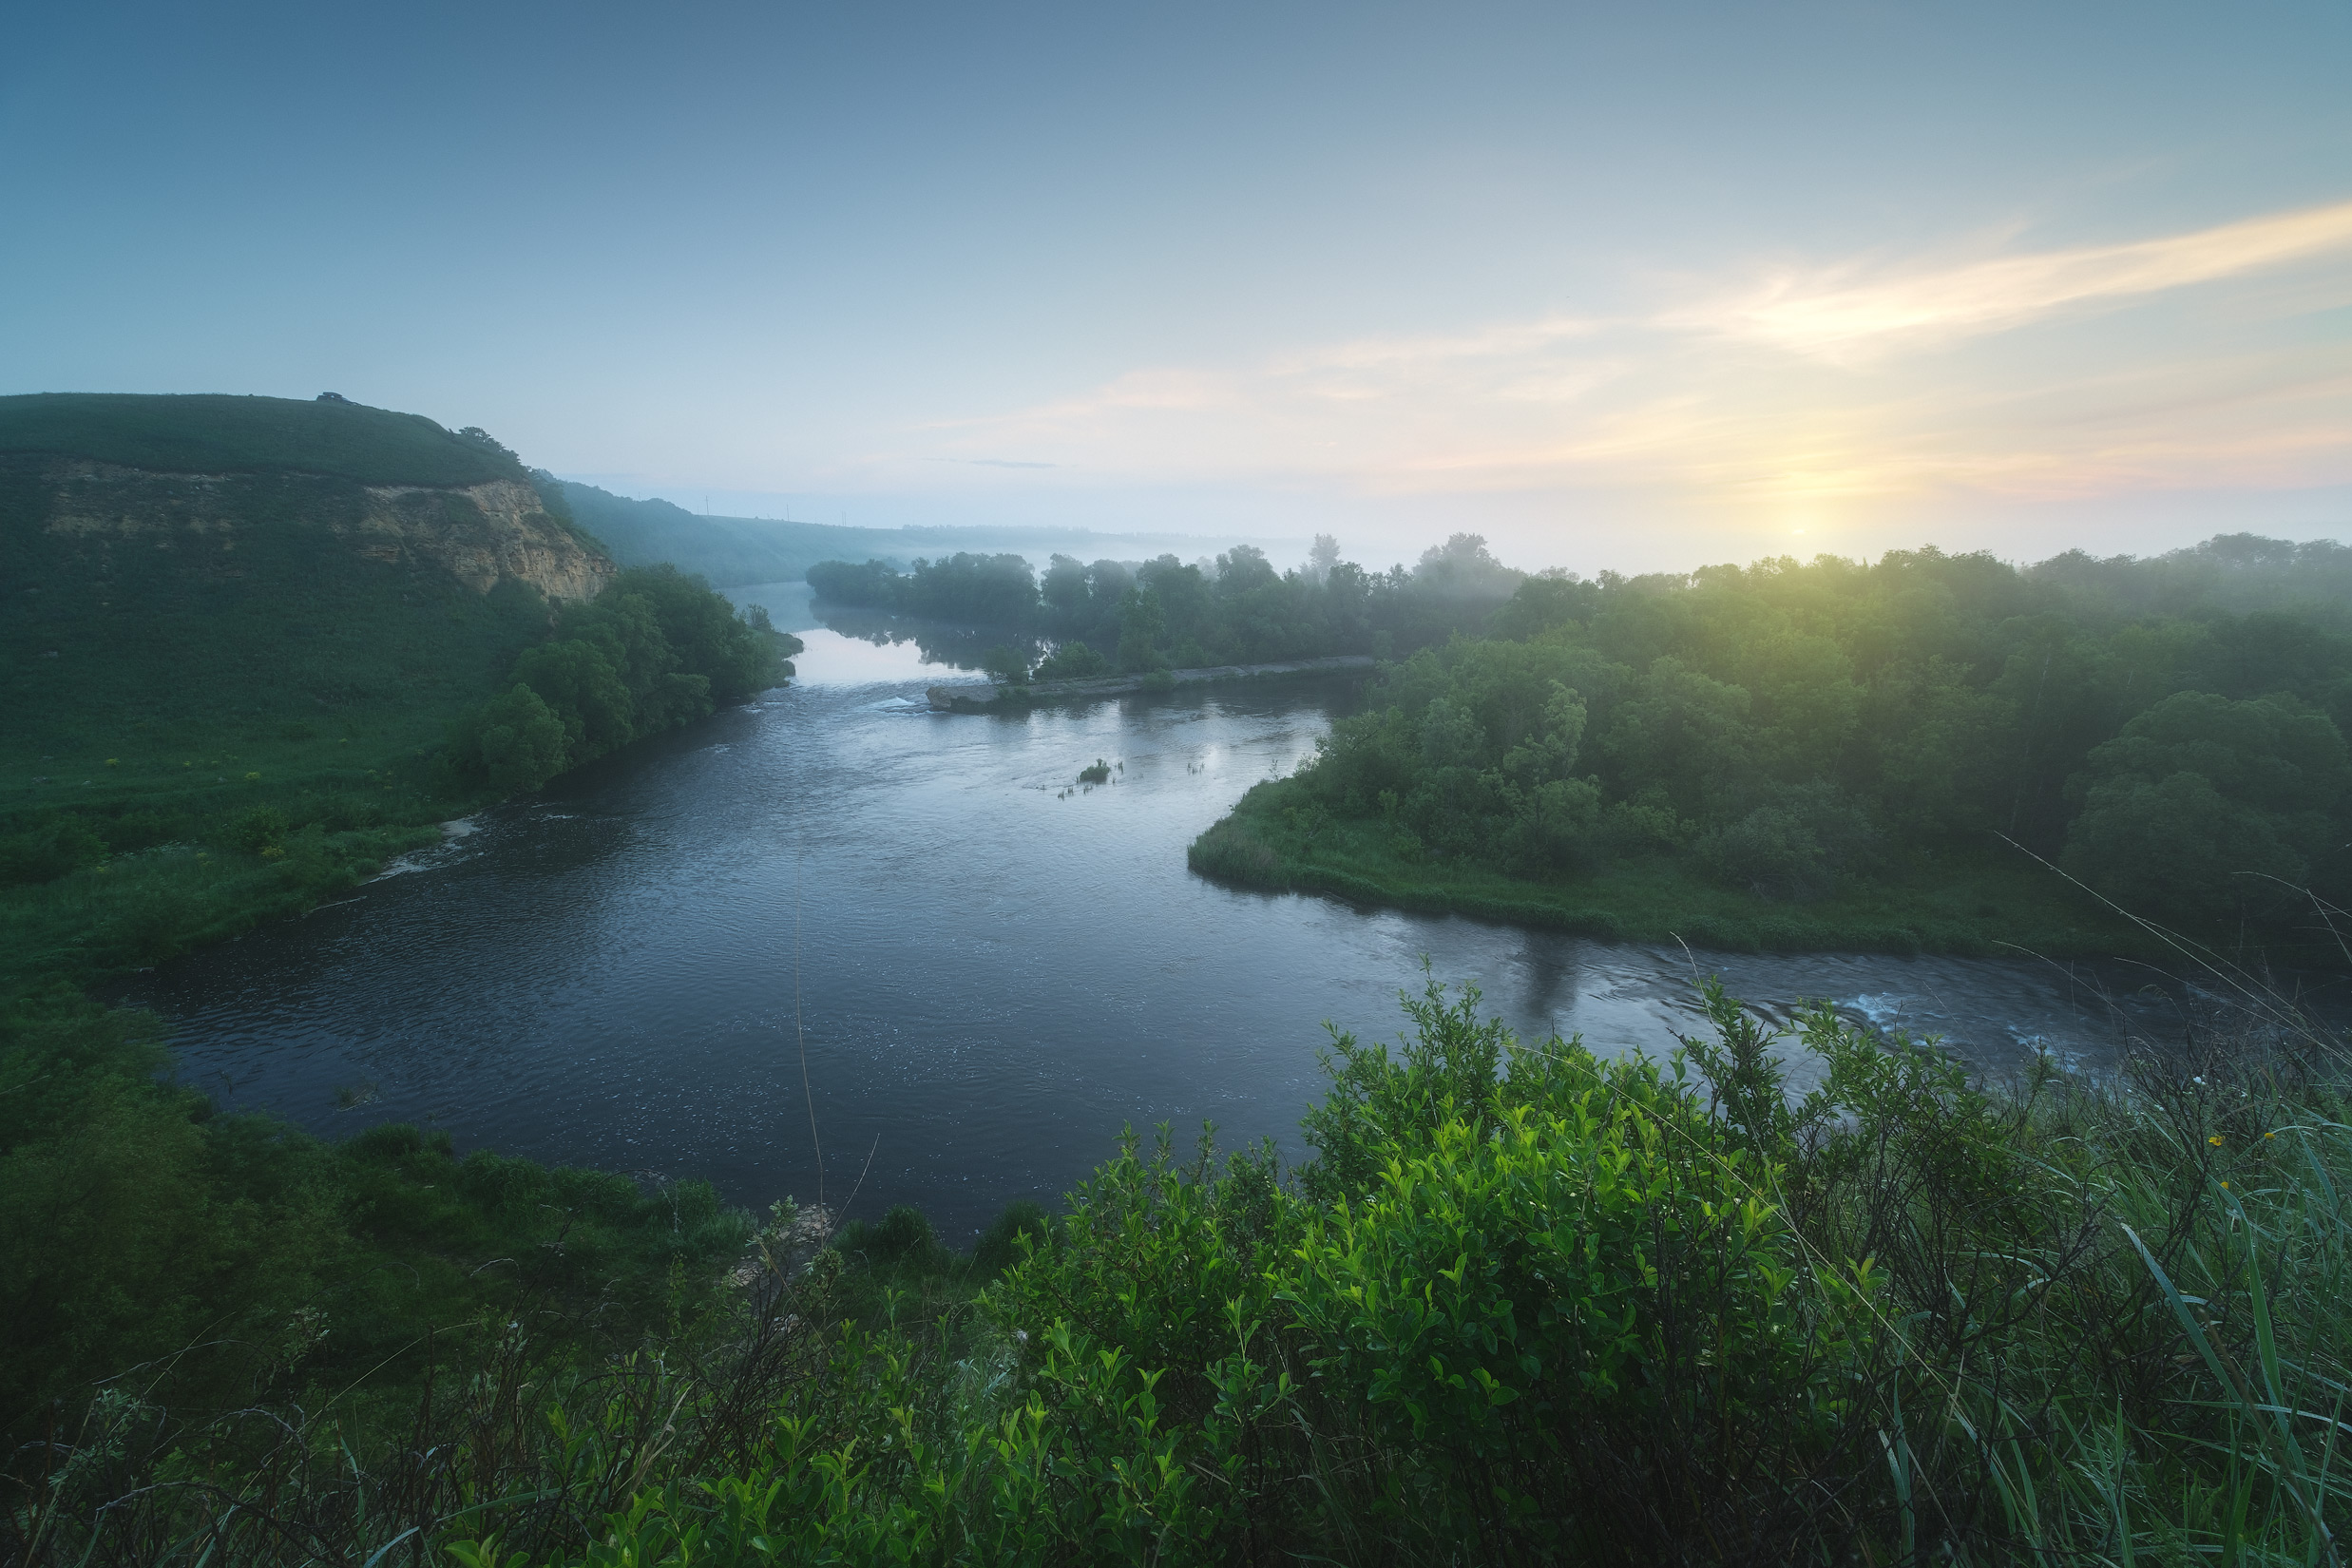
{"type": "Point", "coordinates": [1629, 287]}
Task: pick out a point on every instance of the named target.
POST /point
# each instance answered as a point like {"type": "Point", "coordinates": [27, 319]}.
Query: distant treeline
{"type": "Point", "coordinates": [653, 651]}
{"type": "Point", "coordinates": [2169, 730]}
{"type": "Point", "coordinates": [1166, 613]}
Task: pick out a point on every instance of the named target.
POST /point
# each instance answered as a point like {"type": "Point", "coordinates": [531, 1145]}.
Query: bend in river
{"type": "Point", "coordinates": [992, 968]}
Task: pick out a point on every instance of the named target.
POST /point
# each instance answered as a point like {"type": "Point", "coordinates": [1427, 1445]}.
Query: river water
{"type": "Point", "coordinates": [981, 970]}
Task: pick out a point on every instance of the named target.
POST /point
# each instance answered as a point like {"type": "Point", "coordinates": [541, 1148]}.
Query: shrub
{"type": "Point", "coordinates": [45, 853]}
{"type": "Point", "coordinates": [260, 828]}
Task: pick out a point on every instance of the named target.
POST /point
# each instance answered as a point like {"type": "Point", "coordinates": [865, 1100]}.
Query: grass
{"type": "Point", "coordinates": [159, 688]}
{"type": "Point", "coordinates": [1980, 906]}
{"type": "Point", "coordinates": [213, 433]}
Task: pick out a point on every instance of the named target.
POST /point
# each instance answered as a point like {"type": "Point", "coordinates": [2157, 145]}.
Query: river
{"type": "Point", "coordinates": [981, 970]}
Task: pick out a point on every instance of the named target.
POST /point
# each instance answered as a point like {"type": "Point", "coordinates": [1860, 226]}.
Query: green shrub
{"type": "Point", "coordinates": [44, 854]}
{"type": "Point", "coordinates": [260, 828]}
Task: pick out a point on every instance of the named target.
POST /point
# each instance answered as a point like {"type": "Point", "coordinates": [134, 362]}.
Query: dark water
{"type": "Point", "coordinates": [997, 969]}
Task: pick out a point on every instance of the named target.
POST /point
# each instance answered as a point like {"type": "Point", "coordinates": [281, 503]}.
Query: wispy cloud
{"type": "Point", "coordinates": [1799, 389]}
{"type": "Point", "coordinates": [996, 463]}
{"type": "Point", "coordinates": [1836, 312]}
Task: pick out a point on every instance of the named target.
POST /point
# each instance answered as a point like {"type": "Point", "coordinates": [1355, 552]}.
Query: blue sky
{"type": "Point", "coordinates": [1618, 286]}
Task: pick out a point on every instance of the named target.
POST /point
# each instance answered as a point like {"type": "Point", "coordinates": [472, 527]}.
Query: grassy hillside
{"type": "Point", "coordinates": [180, 654]}
{"type": "Point", "coordinates": [227, 691]}
{"type": "Point", "coordinates": [213, 433]}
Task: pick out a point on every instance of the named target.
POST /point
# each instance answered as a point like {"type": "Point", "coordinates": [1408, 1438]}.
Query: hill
{"type": "Point", "coordinates": [200, 579]}
{"type": "Point", "coordinates": [215, 434]}
{"type": "Point", "coordinates": [241, 633]}
{"type": "Point", "coordinates": [734, 550]}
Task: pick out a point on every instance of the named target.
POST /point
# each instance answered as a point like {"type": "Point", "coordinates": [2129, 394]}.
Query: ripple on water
{"type": "Point", "coordinates": [991, 981]}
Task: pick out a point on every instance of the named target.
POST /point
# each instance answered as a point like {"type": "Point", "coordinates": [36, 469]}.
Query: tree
{"type": "Point", "coordinates": [2190, 813]}
{"type": "Point", "coordinates": [1141, 624]}
{"type": "Point", "coordinates": [521, 740]}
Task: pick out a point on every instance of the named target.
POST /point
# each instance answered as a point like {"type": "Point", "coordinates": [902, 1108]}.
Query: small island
{"type": "Point", "coordinates": [980, 699]}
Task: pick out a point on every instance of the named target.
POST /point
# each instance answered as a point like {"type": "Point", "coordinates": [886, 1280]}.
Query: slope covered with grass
{"type": "Point", "coordinates": [216, 433]}
{"type": "Point", "coordinates": [232, 689]}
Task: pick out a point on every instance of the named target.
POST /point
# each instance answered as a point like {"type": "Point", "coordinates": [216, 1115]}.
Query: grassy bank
{"type": "Point", "coordinates": [1523, 1306]}
{"type": "Point", "coordinates": [1981, 905]}
{"type": "Point", "coordinates": [223, 705]}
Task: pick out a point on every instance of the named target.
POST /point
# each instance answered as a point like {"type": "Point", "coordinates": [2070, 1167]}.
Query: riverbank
{"type": "Point", "coordinates": [980, 699]}
{"type": "Point", "coordinates": [1979, 907]}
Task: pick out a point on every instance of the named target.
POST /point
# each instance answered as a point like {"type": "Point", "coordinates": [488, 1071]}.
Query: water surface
{"type": "Point", "coordinates": [983, 969]}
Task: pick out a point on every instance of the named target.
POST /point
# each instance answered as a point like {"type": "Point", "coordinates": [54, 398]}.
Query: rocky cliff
{"type": "Point", "coordinates": [478, 535]}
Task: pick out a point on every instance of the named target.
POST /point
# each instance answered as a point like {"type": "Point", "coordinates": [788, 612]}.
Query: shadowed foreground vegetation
{"type": "Point", "coordinates": [1523, 1305]}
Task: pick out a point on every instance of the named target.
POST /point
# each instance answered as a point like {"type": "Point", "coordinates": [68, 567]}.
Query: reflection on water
{"type": "Point", "coordinates": [996, 970]}
{"type": "Point", "coordinates": [850, 647]}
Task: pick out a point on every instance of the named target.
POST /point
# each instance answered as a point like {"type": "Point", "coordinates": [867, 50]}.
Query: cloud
{"type": "Point", "coordinates": [1834, 313]}
{"type": "Point", "coordinates": [1782, 392]}
{"type": "Point", "coordinates": [996, 463]}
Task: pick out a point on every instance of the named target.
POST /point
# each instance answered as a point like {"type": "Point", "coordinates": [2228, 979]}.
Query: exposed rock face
{"type": "Point", "coordinates": [480, 535]}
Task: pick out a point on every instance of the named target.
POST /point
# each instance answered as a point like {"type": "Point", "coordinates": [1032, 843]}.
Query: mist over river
{"type": "Point", "coordinates": [997, 969]}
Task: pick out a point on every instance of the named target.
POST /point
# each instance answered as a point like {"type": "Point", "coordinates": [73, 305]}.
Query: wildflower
{"type": "Point", "coordinates": [2214, 1140]}
{"type": "Point", "coordinates": [2270, 1135]}
{"type": "Point", "coordinates": [2225, 1186]}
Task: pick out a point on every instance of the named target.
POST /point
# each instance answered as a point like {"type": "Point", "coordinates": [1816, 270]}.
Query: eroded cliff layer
{"type": "Point", "coordinates": [477, 535]}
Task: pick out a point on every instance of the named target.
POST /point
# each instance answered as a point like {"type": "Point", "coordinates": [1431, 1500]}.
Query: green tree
{"type": "Point", "coordinates": [521, 741]}
{"type": "Point", "coordinates": [2204, 806]}
{"type": "Point", "coordinates": [1141, 624]}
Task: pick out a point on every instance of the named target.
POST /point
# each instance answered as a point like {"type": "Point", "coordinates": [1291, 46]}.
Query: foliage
{"type": "Point", "coordinates": [2203, 805]}
{"type": "Point", "coordinates": [1806, 734]}
{"type": "Point", "coordinates": [1524, 1304]}
{"type": "Point", "coordinates": [210, 433]}
{"type": "Point", "coordinates": [1072, 660]}
{"type": "Point", "coordinates": [655, 650]}
{"type": "Point", "coordinates": [1165, 613]}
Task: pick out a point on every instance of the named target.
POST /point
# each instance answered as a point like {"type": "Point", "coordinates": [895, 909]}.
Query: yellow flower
{"type": "Point", "coordinates": [2270, 1135]}
{"type": "Point", "coordinates": [2214, 1140]}
{"type": "Point", "coordinates": [2225, 1185]}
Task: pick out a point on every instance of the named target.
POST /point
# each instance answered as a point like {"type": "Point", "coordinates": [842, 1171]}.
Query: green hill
{"type": "Point", "coordinates": [238, 634]}
{"type": "Point", "coordinates": [734, 550]}
{"type": "Point", "coordinates": [204, 588]}
{"type": "Point", "coordinates": [214, 433]}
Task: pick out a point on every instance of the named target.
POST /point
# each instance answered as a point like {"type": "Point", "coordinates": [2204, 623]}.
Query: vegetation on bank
{"type": "Point", "coordinates": [1128, 618]}
{"type": "Point", "coordinates": [195, 744]}
{"type": "Point", "coordinates": [1835, 754]}
{"type": "Point", "coordinates": [1523, 1304]}
{"type": "Point", "coordinates": [219, 708]}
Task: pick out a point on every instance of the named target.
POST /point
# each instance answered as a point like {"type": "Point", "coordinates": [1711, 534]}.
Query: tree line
{"type": "Point", "coordinates": [1136, 616]}
{"type": "Point", "coordinates": [2170, 731]}
{"type": "Point", "coordinates": [653, 651]}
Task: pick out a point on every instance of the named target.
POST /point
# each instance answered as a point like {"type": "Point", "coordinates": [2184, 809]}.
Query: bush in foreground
{"type": "Point", "coordinates": [1524, 1304]}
